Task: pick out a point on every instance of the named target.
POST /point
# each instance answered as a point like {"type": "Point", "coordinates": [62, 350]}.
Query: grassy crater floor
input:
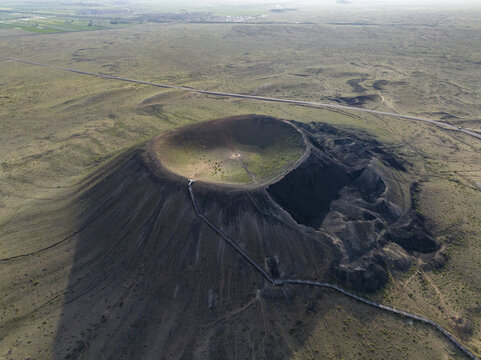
{"type": "Point", "coordinates": [248, 149]}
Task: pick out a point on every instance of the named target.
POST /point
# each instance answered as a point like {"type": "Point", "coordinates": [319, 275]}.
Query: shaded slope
{"type": "Point", "coordinates": [148, 275]}
{"type": "Point", "coordinates": [351, 189]}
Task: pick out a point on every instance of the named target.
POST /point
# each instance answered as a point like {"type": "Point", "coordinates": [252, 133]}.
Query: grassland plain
{"type": "Point", "coordinates": [58, 127]}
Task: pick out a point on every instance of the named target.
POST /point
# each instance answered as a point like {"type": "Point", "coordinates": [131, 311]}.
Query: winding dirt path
{"type": "Point", "coordinates": [281, 282]}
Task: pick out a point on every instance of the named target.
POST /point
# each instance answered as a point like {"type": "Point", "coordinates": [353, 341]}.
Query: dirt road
{"type": "Point", "coordinates": [437, 123]}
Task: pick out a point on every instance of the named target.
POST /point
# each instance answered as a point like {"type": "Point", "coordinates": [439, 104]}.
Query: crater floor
{"type": "Point", "coordinates": [249, 149]}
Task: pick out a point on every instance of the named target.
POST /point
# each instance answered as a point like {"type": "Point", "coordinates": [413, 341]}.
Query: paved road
{"type": "Point", "coordinates": [280, 282]}
{"type": "Point", "coordinates": [439, 124]}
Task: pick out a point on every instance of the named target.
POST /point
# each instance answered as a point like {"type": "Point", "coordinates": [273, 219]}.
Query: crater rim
{"type": "Point", "coordinates": [160, 143]}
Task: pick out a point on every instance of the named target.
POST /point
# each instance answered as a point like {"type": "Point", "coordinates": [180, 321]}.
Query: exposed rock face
{"type": "Point", "coordinates": [308, 191]}
{"type": "Point", "coordinates": [370, 185]}
{"type": "Point", "coordinates": [412, 236]}
{"type": "Point", "coordinates": [340, 190]}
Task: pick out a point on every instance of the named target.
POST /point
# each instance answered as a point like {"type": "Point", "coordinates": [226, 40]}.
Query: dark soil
{"type": "Point", "coordinates": [251, 130]}
{"type": "Point", "coordinates": [355, 84]}
{"type": "Point", "coordinates": [357, 100]}
{"type": "Point", "coordinates": [381, 84]}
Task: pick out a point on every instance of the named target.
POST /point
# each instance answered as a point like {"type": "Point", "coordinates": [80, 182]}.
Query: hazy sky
{"type": "Point", "coordinates": [433, 4]}
{"type": "Point", "coordinates": [299, 4]}
{"type": "Point", "coordinates": [382, 3]}
{"type": "Point", "coordinates": [320, 2]}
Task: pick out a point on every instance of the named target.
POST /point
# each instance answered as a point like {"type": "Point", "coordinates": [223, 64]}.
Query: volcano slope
{"type": "Point", "coordinates": [151, 280]}
{"type": "Point", "coordinates": [161, 283]}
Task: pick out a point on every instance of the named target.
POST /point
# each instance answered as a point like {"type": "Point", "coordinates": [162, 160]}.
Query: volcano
{"type": "Point", "coordinates": [152, 280]}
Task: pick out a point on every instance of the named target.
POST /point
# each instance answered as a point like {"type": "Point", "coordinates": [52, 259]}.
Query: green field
{"type": "Point", "coordinates": [53, 25]}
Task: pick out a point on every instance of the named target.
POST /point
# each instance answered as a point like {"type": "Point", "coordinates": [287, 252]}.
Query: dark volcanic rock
{"type": "Point", "coordinates": [369, 277]}
{"type": "Point", "coordinates": [340, 190]}
{"type": "Point", "coordinates": [413, 236]}
{"type": "Point", "coordinates": [370, 184]}
{"type": "Point", "coordinates": [307, 191]}
{"type": "Point", "coordinates": [356, 100]}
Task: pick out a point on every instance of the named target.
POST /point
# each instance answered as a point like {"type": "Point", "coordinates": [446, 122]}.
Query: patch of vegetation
{"type": "Point", "coordinates": [242, 150]}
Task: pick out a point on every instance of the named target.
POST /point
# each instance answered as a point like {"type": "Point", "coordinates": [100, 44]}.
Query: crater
{"type": "Point", "coordinates": [241, 150]}
{"type": "Point", "coordinates": [146, 263]}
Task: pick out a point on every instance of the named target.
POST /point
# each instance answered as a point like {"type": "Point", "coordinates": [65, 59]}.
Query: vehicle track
{"type": "Point", "coordinates": [281, 281]}
{"type": "Point", "coordinates": [439, 124]}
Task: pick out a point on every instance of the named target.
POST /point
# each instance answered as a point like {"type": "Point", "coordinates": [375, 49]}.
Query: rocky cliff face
{"type": "Point", "coordinates": [340, 190]}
